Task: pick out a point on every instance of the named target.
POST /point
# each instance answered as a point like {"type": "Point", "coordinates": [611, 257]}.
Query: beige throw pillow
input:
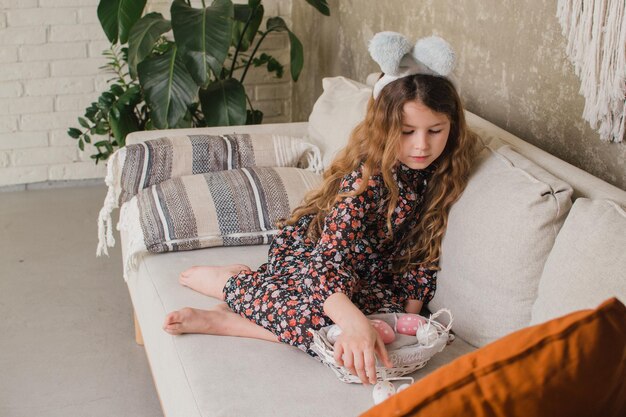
{"type": "Point", "coordinates": [499, 235]}
{"type": "Point", "coordinates": [587, 263]}
{"type": "Point", "coordinates": [336, 112]}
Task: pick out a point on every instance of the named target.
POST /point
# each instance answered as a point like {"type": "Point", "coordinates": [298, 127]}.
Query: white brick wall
{"type": "Point", "coordinates": [50, 54]}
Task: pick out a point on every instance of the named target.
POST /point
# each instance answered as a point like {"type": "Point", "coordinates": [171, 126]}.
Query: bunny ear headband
{"type": "Point", "coordinates": [398, 58]}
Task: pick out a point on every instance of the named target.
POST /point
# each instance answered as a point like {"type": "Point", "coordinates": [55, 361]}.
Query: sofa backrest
{"type": "Point", "coordinates": [297, 130]}
{"type": "Point", "coordinates": [343, 103]}
{"type": "Point", "coordinates": [583, 183]}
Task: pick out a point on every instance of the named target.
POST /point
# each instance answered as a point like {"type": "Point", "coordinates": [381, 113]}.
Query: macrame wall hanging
{"type": "Point", "coordinates": [596, 45]}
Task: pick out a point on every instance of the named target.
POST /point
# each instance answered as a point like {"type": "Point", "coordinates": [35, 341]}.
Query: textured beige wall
{"type": "Point", "coordinates": [512, 69]}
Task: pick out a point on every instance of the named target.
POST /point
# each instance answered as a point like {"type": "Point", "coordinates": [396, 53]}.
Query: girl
{"type": "Point", "coordinates": [366, 241]}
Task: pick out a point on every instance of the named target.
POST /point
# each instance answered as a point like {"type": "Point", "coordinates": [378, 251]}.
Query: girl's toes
{"type": "Point", "coordinates": [173, 329]}
{"type": "Point", "coordinates": [171, 318]}
{"type": "Point", "coordinates": [173, 323]}
{"type": "Point", "coordinates": [183, 279]}
{"type": "Point", "coordinates": [188, 272]}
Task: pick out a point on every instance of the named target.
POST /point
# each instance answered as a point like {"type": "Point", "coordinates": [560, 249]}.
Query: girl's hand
{"type": "Point", "coordinates": [356, 349]}
{"type": "Point", "coordinates": [413, 306]}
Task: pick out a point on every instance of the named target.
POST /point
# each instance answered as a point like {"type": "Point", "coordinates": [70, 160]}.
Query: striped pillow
{"type": "Point", "coordinates": [223, 208]}
{"type": "Point", "coordinates": [154, 161]}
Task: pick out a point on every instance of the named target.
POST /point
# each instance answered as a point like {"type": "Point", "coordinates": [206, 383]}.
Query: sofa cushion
{"type": "Point", "coordinates": [570, 366]}
{"type": "Point", "coordinates": [587, 263]}
{"type": "Point", "coordinates": [220, 376]}
{"type": "Point", "coordinates": [498, 237]}
{"type": "Point", "coordinates": [141, 165]}
{"type": "Point", "coordinates": [223, 208]}
{"type": "Point", "coordinates": [336, 112]}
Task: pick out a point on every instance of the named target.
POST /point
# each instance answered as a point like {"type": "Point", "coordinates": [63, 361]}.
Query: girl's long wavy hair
{"type": "Point", "coordinates": [375, 143]}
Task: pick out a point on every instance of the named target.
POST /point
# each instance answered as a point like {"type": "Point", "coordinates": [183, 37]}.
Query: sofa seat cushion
{"type": "Point", "coordinates": [203, 375]}
{"type": "Point", "coordinates": [499, 235]}
{"type": "Point", "coordinates": [588, 261]}
{"type": "Point", "coordinates": [570, 366]}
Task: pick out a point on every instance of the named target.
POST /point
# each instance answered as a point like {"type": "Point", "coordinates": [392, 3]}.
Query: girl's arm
{"type": "Point", "coordinates": [358, 344]}
{"type": "Point", "coordinates": [413, 306]}
{"type": "Point", "coordinates": [335, 257]}
{"type": "Point", "coordinates": [336, 253]}
{"type": "Point", "coordinates": [420, 285]}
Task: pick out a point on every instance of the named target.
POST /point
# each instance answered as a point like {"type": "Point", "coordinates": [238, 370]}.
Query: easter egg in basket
{"type": "Point", "coordinates": [408, 323]}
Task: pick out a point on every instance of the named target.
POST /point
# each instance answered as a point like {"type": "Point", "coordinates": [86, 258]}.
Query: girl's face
{"type": "Point", "coordinates": [424, 135]}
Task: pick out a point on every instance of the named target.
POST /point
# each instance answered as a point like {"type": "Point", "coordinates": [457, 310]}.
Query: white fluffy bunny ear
{"type": "Point", "coordinates": [436, 54]}
{"type": "Point", "coordinates": [388, 49]}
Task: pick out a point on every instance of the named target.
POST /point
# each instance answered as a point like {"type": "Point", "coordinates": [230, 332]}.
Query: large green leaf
{"type": "Point", "coordinates": [142, 37]}
{"type": "Point", "coordinates": [224, 103]}
{"type": "Point", "coordinates": [321, 6]}
{"type": "Point", "coordinates": [168, 87]}
{"type": "Point", "coordinates": [122, 123]}
{"type": "Point", "coordinates": [204, 36]}
{"type": "Point", "coordinates": [250, 14]}
{"type": "Point", "coordinates": [117, 17]}
{"type": "Point", "coordinates": [297, 56]}
{"type": "Point", "coordinates": [276, 23]}
{"type": "Point", "coordinates": [130, 97]}
{"type": "Point", "coordinates": [296, 48]}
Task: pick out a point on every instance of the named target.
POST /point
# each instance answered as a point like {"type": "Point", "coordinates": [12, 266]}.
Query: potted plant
{"type": "Point", "coordinates": [184, 72]}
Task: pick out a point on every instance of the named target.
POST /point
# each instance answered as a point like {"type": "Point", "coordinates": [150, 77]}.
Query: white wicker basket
{"type": "Point", "coordinates": [407, 355]}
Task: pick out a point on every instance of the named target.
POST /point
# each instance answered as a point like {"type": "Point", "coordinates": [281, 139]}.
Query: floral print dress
{"type": "Point", "coordinates": [286, 294]}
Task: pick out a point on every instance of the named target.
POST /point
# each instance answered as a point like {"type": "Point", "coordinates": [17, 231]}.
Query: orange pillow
{"type": "Point", "coordinates": [574, 365]}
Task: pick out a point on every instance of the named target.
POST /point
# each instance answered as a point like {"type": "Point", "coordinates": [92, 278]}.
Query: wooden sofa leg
{"type": "Point", "coordinates": [138, 336]}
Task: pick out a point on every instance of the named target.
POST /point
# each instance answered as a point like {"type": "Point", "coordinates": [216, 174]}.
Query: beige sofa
{"type": "Point", "coordinates": [516, 253]}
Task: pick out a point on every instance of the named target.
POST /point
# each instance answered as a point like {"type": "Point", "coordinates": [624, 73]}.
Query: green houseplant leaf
{"type": "Point", "coordinates": [321, 6]}
{"type": "Point", "coordinates": [168, 87]}
{"type": "Point", "coordinates": [142, 38]}
{"type": "Point", "coordinates": [296, 48]}
{"type": "Point", "coordinates": [254, 117]}
{"type": "Point", "coordinates": [248, 19]}
{"type": "Point", "coordinates": [272, 64]}
{"type": "Point", "coordinates": [224, 103]}
{"type": "Point", "coordinates": [122, 123]}
{"type": "Point", "coordinates": [297, 56]}
{"type": "Point", "coordinates": [118, 16]}
{"type": "Point", "coordinates": [203, 36]}
{"type": "Point", "coordinates": [156, 79]}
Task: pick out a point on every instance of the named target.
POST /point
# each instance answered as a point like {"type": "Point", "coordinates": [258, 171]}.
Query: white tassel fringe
{"type": "Point", "coordinates": [596, 34]}
{"type": "Point", "coordinates": [134, 248]}
{"type": "Point", "coordinates": [288, 149]}
{"type": "Point", "coordinates": [112, 180]}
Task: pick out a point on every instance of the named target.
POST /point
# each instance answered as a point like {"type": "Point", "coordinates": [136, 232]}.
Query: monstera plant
{"type": "Point", "coordinates": [184, 72]}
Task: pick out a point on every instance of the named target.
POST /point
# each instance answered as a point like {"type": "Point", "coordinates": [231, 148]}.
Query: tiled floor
{"type": "Point", "coordinates": [66, 332]}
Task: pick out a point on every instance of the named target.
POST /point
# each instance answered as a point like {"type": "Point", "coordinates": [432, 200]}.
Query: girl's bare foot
{"type": "Point", "coordinates": [219, 320]}
{"type": "Point", "coordinates": [189, 320]}
{"type": "Point", "coordinates": [210, 280]}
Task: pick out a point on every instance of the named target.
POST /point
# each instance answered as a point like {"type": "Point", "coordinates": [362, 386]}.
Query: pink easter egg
{"type": "Point", "coordinates": [384, 330]}
{"type": "Point", "coordinates": [408, 324]}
